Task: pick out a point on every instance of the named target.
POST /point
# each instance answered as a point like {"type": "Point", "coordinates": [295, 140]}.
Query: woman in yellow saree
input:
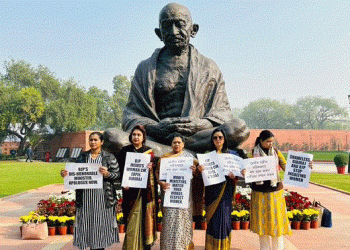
{"type": "Point", "coordinates": [139, 205]}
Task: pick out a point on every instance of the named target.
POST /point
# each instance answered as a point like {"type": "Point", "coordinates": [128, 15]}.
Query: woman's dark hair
{"type": "Point", "coordinates": [212, 145]}
{"type": "Point", "coordinates": [177, 135]}
{"type": "Point", "coordinates": [143, 131]}
{"type": "Point", "coordinates": [99, 134]}
{"type": "Point", "coordinates": [265, 134]}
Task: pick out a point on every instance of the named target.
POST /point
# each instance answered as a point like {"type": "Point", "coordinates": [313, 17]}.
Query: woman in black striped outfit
{"type": "Point", "coordinates": [96, 225]}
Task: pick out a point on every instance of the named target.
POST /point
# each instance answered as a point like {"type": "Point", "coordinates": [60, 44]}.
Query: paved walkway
{"type": "Point", "coordinates": [335, 238]}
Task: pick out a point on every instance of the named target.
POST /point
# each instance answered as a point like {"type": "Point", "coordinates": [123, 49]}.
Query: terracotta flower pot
{"type": "Point", "coordinates": [159, 227]}
{"type": "Point", "coordinates": [203, 225]}
{"type": "Point", "coordinates": [296, 225]}
{"type": "Point", "coordinates": [52, 231]}
{"type": "Point", "coordinates": [193, 225]}
{"type": "Point", "coordinates": [62, 230]}
{"type": "Point", "coordinates": [341, 170]}
{"type": "Point", "coordinates": [236, 225]}
{"type": "Point", "coordinates": [314, 224]}
{"type": "Point", "coordinates": [71, 229]}
{"type": "Point", "coordinates": [305, 225]}
{"type": "Point", "coordinates": [121, 228]}
{"type": "Point", "coordinates": [245, 225]}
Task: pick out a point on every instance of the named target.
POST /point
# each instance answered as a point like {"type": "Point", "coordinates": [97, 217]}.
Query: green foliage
{"type": "Point", "coordinates": [341, 160]}
{"type": "Point", "coordinates": [311, 112]}
{"type": "Point", "coordinates": [120, 97]}
{"type": "Point", "coordinates": [33, 100]}
{"type": "Point", "coordinates": [74, 110]}
{"type": "Point", "coordinates": [315, 112]}
{"type": "Point", "coordinates": [266, 113]}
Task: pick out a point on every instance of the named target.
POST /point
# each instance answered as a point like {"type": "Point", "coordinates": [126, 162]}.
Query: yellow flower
{"type": "Point", "coordinates": [160, 215]}
{"type": "Point", "coordinates": [290, 215]}
{"type": "Point", "coordinates": [62, 219]}
{"type": "Point", "coordinates": [235, 212]}
{"type": "Point", "coordinates": [25, 218]}
{"type": "Point", "coordinates": [203, 213]}
{"type": "Point", "coordinates": [120, 216]}
{"type": "Point", "coordinates": [53, 218]}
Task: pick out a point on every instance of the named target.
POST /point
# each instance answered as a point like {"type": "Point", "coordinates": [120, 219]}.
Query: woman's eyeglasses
{"type": "Point", "coordinates": [218, 137]}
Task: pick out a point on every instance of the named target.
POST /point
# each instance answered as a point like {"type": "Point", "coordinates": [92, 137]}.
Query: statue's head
{"type": "Point", "coordinates": [176, 26]}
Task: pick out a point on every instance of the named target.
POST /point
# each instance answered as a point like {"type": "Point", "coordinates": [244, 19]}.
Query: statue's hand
{"type": "Point", "coordinates": [188, 126]}
{"type": "Point", "coordinates": [165, 127]}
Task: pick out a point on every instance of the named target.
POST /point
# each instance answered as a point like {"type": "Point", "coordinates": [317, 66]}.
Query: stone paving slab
{"type": "Point", "coordinates": [337, 237]}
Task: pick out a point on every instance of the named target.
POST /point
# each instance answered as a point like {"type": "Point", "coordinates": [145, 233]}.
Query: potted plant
{"type": "Point", "coordinates": [236, 223]}
{"type": "Point", "coordinates": [70, 224]}
{"type": "Point", "coordinates": [306, 219]}
{"type": "Point", "coordinates": [204, 221]}
{"type": "Point", "coordinates": [314, 218]}
{"type": "Point", "coordinates": [159, 221]}
{"type": "Point", "coordinates": [340, 161]}
{"type": "Point", "coordinates": [62, 225]}
{"type": "Point", "coordinates": [244, 218]}
{"type": "Point", "coordinates": [297, 216]}
{"type": "Point", "coordinates": [51, 224]}
{"type": "Point", "coordinates": [121, 223]}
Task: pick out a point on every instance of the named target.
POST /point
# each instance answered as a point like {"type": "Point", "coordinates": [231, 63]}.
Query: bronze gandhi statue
{"type": "Point", "coordinates": [178, 90]}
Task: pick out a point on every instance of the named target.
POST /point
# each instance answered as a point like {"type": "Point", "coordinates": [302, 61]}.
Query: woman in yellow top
{"type": "Point", "coordinates": [268, 206]}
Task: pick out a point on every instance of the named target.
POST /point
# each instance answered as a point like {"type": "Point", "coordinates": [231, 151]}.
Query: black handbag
{"type": "Point", "coordinates": [326, 218]}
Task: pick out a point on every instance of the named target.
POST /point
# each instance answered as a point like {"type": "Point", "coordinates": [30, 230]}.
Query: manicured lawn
{"type": "Point", "coordinates": [17, 177]}
{"type": "Point", "coordinates": [338, 181]}
{"type": "Point", "coordinates": [326, 156]}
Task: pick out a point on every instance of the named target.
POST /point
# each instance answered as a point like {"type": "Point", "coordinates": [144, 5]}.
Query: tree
{"type": "Point", "coordinates": [315, 112]}
{"type": "Point", "coordinates": [33, 102]}
{"type": "Point", "coordinates": [110, 108]}
{"type": "Point", "coordinates": [121, 86]}
{"type": "Point", "coordinates": [74, 110]}
{"type": "Point", "coordinates": [267, 114]}
{"type": "Point", "coordinates": [104, 117]}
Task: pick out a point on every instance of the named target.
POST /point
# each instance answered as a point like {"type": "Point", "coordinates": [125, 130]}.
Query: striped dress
{"type": "Point", "coordinates": [96, 226]}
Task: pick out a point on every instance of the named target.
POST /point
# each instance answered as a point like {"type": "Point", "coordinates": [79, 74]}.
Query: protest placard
{"type": "Point", "coordinates": [178, 194]}
{"type": "Point", "coordinates": [298, 171]}
{"type": "Point", "coordinates": [135, 170]}
{"type": "Point", "coordinates": [231, 163]}
{"type": "Point", "coordinates": [213, 172]}
{"type": "Point", "coordinates": [83, 176]}
{"type": "Point", "coordinates": [175, 164]}
{"type": "Point", "coordinates": [260, 169]}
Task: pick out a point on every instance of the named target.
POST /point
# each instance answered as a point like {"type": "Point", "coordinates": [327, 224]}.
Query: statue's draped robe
{"type": "Point", "coordinates": [205, 95]}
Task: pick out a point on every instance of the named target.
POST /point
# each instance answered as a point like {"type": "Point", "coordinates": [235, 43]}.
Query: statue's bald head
{"type": "Point", "coordinates": [176, 27]}
{"type": "Point", "coordinates": [174, 10]}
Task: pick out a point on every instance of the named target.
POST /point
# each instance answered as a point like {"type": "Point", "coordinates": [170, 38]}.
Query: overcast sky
{"type": "Point", "coordinates": [277, 49]}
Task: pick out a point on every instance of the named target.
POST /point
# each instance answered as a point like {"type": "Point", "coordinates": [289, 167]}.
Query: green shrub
{"type": "Point", "coordinates": [341, 160]}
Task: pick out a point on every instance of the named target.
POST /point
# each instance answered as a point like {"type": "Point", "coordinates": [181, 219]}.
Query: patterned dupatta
{"type": "Point", "coordinates": [259, 152]}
